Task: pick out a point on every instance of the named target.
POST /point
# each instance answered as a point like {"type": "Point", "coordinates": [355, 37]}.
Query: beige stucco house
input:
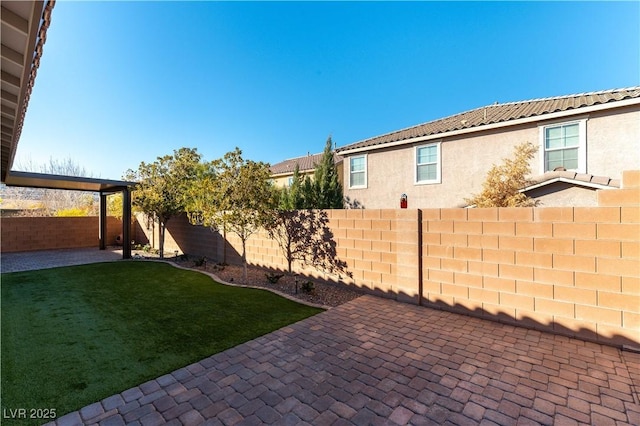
{"type": "Point", "coordinates": [282, 173]}
{"type": "Point", "coordinates": [585, 142]}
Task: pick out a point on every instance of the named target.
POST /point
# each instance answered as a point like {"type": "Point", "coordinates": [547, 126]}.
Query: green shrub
{"type": "Point", "coordinates": [308, 287]}
{"type": "Point", "coordinates": [273, 278]}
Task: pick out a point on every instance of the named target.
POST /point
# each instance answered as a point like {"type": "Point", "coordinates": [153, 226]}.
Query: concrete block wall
{"type": "Point", "coordinates": [380, 248]}
{"type": "Point", "coordinates": [574, 271]}
{"type": "Point", "coordinates": [180, 236]}
{"type": "Point", "coordinates": [569, 270]}
{"type": "Point", "coordinates": [628, 195]}
{"type": "Point", "coordinates": [48, 233]}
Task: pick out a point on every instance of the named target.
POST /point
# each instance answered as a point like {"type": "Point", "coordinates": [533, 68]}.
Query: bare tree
{"type": "Point", "coordinates": [54, 201]}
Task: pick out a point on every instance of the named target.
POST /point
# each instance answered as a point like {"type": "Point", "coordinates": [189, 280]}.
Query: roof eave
{"type": "Point", "coordinates": [38, 23]}
{"type": "Point", "coordinates": [283, 174]}
{"type": "Point", "coordinates": [519, 121]}
{"type": "Point", "coordinates": [569, 181]}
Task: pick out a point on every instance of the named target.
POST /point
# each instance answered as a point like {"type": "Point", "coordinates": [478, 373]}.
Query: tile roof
{"type": "Point", "coordinates": [500, 113]}
{"type": "Point", "coordinates": [306, 163]}
{"type": "Point", "coordinates": [572, 177]}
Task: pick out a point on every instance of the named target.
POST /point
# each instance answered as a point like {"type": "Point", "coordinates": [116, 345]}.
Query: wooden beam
{"type": "Point", "coordinates": [14, 21]}
{"type": "Point", "coordinates": [8, 111]}
{"type": "Point", "coordinates": [11, 55]}
{"type": "Point", "coordinates": [9, 97]}
{"type": "Point", "coordinates": [10, 79]}
{"type": "Point", "coordinates": [6, 121]}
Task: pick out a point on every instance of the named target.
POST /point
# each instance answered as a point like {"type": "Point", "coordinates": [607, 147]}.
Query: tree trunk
{"type": "Point", "coordinates": [224, 243]}
{"type": "Point", "coordinates": [161, 238]}
{"type": "Point", "coordinates": [244, 259]}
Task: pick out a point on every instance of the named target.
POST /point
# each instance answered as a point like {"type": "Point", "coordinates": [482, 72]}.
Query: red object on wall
{"type": "Point", "coordinates": [403, 201]}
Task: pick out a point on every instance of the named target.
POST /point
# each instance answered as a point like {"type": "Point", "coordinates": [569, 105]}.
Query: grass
{"type": "Point", "coordinates": [75, 335]}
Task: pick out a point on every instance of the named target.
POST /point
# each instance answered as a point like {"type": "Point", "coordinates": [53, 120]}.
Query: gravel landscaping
{"type": "Point", "coordinates": [323, 293]}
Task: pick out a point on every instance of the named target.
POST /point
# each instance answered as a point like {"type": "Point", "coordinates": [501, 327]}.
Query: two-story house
{"type": "Point", "coordinates": [584, 142]}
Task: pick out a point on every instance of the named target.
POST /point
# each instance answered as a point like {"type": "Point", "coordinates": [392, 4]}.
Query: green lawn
{"type": "Point", "coordinates": [73, 336]}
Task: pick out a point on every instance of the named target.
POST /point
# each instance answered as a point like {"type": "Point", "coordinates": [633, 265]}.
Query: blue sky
{"type": "Point", "coordinates": [125, 82]}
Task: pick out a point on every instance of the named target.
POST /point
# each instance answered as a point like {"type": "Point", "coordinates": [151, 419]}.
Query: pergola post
{"type": "Point", "coordinates": [103, 221]}
{"type": "Point", "coordinates": [126, 223]}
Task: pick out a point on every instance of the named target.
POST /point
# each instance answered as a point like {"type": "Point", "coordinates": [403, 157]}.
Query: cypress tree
{"type": "Point", "coordinates": [326, 186]}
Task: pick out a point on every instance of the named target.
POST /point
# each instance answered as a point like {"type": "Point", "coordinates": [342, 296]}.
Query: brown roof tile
{"type": "Point", "coordinates": [574, 177]}
{"type": "Point", "coordinates": [499, 113]}
{"type": "Point", "coordinates": [306, 163]}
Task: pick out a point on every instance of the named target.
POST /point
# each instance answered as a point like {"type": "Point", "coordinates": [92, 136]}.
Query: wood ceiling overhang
{"type": "Point", "coordinates": [23, 34]}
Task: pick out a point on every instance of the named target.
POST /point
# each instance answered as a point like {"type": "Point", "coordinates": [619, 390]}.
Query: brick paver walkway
{"type": "Point", "coordinates": [376, 361]}
{"type": "Point", "coordinates": [42, 259]}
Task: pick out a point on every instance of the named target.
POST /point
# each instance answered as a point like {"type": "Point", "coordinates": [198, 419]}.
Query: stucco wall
{"type": "Point", "coordinates": [562, 194]}
{"type": "Point", "coordinates": [613, 144]}
{"type": "Point", "coordinates": [283, 181]}
{"type": "Point", "coordinates": [465, 163]}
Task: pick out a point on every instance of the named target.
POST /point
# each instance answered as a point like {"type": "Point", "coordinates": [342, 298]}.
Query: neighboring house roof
{"type": "Point", "coordinates": [499, 114]}
{"type": "Point", "coordinates": [306, 163]}
{"type": "Point", "coordinates": [580, 179]}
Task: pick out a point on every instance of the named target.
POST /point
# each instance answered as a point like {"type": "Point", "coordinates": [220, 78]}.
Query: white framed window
{"type": "Point", "coordinates": [428, 164]}
{"type": "Point", "coordinates": [290, 181]}
{"type": "Point", "coordinates": [564, 146]}
{"type": "Point", "coordinates": [358, 171]}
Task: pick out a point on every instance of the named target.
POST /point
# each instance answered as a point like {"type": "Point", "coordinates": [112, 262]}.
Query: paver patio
{"type": "Point", "coordinates": [42, 259]}
{"type": "Point", "coordinates": [376, 361]}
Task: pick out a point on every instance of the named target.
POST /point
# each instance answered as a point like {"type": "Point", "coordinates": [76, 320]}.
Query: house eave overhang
{"type": "Point", "coordinates": [24, 32]}
{"type": "Point", "coordinates": [493, 126]}
{"type": "Point", "coordinates": [285, 174]}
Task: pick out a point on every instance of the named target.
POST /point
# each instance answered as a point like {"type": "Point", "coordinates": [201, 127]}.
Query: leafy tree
{"type": "Point", "coordinates": [503, 183]}
{"type": "Point", "coordinates": [300, 227]}
{"type": "Point", "coordinates": [292, 198]}
{"type": "Point", "coordinates": [324, 191]}
{"type": "Point", "coordinates": [304, 236]}
{"type": "Point", "coordinates": [233, 194]}
{"type": "Point", "coordinates": [309, 199]}
{"type": "Point", "coordinates": [162, 186]}
{"type": "Point", "coordinates": [327, 189]}
{"type": "Point", "coordinates": [114, 205]}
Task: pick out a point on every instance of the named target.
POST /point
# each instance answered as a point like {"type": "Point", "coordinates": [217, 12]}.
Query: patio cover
{"type": "Point", "coordinates": [24, 32]}
{"type": "Point", "coordinates": [103, 186]}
